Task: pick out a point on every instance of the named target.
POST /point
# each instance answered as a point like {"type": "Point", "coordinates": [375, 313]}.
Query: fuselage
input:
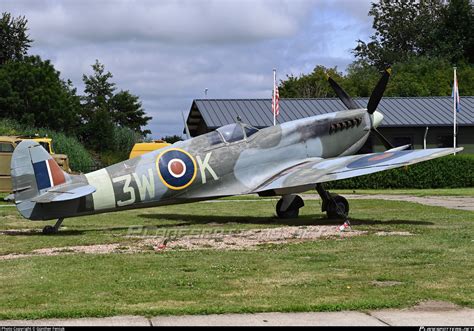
{"type": "Point", "coordinates": [220, 163]}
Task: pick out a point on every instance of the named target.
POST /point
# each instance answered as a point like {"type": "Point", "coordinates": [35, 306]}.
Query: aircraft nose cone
{"type": "Point", "coordinates": [377, 119]}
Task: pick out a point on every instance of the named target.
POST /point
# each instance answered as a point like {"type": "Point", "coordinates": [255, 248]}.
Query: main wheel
{"type": "Point", "coordinates": [293, 209]}
{"type": "Point", "coordinates": [337, 207]}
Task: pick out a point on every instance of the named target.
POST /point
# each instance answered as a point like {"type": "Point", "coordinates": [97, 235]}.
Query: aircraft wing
{"type": "Point", "coordinates": [320, 170]}
{"type": "Point", "coordinates": [65, 192]}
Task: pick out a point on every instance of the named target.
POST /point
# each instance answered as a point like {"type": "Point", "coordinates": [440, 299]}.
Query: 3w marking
{"type": "Point", "coordinates": [145, 185]}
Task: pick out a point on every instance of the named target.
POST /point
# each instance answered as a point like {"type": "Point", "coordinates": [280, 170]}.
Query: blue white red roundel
{"type": "Point", "coordinates": [176, 168]}
{"type": "Point", "coordinates": [374, 159]}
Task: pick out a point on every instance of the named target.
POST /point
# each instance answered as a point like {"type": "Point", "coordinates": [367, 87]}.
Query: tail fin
{"type": "Point", "coordinates": [33, 172]}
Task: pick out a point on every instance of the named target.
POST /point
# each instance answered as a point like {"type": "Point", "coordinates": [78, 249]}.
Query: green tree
{"type": "Point", "coordinates": [172, 139]}
{"type": "Point", "coordinates": [32, 92]}
{"type": "Point", "coordinates": [418, 76]}
{"type": "Point", "coordinates": [424, 76]}
{"type": "Point", "coordinates": [97, 131]}
{"type": "Point", "coordinates": [98, 89]}
{"type": "Point", "coordinates": [403, 29]}
{"type": "Point", "coordinates": [14, 40]}
{"type": "Point", "coordinates": [104, 111]}
{"type": "Point", "coordinates": [313, 85]}
{"type": "Point", "coordinates": [409, 28]}
{"type": "Point", "coordinates": [128, 112]}
{"type": "Point", "coordinates": [456, 35]}
{"type": "Point", "coordinates": [361, 79]}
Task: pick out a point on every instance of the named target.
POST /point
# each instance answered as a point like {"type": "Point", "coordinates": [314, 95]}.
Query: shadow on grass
{"type": "Point", "coordinates": [62, 232]}
{"type": "Point", "coordinates": [182, 220]}
{"type": "Point", "coordinates": [40, 233]}
{"type": "Point", "coordinates": [186, 220]}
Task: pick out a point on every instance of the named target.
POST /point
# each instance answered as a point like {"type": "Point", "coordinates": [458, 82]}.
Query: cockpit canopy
{"type": "Point", "coordinates": [231, 132]}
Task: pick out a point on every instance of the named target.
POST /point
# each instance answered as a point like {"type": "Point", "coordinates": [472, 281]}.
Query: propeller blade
{"type": "Point", "coordinates": [378, 91]}
{"type": "Point", "coordinates": [345, 98]}
{"type": "Point", "coordinates": [382, 139]}
{"type": "Point", "coordinates": [400, 148]}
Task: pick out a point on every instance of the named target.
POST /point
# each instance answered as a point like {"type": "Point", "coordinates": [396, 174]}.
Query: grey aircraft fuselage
{"type": "Point", "coordinates": [207, 167]}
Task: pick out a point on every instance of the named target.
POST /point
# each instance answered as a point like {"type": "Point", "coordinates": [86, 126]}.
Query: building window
{"type": "Point", "coordinates": [402, 141]}
{"type": "Point", "coordinates": [444, 141]}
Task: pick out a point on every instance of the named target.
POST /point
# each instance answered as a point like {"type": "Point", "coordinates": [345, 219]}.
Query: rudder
{"type": "Point", "coordinates": [33, 172]}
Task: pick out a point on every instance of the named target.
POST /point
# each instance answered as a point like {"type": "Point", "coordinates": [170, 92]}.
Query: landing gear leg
{"type": "Point", "coordinates": [335, 205]}
{"type": "Point", "coordinates": [48, 229]}
{"type": "Point", "coordinates": [289, 206]}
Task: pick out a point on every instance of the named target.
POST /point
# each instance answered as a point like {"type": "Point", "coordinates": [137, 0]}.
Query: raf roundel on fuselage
{"type": "Point", "coordinates": [176, 168]}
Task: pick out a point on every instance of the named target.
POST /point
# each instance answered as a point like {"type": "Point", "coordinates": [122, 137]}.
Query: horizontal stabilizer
{"type": "Point", "coordinates": [65, 192]}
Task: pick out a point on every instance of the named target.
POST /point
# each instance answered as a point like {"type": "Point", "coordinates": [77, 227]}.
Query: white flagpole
{"type": "Point", "coordinates": [455, 92]}
{"type": "Point", "coordinates": [274, 97]}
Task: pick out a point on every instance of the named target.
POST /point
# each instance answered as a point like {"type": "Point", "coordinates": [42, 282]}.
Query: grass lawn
{"type": "Point", "coordinates": [436, 262]}
{"type": "Point", "coordinates": [462, 191]}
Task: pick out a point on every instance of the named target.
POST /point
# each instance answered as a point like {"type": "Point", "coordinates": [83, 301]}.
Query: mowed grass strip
{"type": "Point", "coordinates": [463, 191]}
{"type": "Point", "coordinates": [324, 275]}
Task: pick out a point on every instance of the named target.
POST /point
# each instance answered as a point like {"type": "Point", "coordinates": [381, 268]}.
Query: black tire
{"type": "Point", "coordinates": [337, 207]}
{"type": "Point", "coordinates": [293, 210]}
{"type": "Point", "coordinates": [48, 229]}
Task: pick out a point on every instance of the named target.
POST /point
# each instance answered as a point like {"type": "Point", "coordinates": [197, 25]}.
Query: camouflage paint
{"type": "Point", "coordinates": [282, 159]}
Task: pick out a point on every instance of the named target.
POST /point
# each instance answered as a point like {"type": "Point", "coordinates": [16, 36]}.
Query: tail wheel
{"type": "Point", "coordinates": [337, 207]}
{"type": "Point", "coordinates": [48, 229]}
{"type": "Point", "coordinates": [293, 209]}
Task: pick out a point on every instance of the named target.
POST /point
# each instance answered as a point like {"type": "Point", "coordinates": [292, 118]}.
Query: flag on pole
{"type": "Point", "coordinates": [456, 108]}
{"type": "Point", "coordinates": [455, 95]}
{"type": "Point", "coordinates": [275, 99]}
{"type": "Point", "coordinates": [275, 105]}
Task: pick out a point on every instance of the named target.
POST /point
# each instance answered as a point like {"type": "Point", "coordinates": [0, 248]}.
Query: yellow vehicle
{"type": "Point", "coordinates": [142, 148]}
{"type": "Point", "coordinates": [8, 144]}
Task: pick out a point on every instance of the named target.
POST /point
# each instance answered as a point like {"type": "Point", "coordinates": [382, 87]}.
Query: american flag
{"type": "Point", "coordinates": [275, 99]}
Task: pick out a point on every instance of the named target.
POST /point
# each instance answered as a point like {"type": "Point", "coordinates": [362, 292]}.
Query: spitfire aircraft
{"type": "Point", "coordinates": [280, 160]}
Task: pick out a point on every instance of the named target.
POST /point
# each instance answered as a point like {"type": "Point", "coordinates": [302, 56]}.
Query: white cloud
{"type": "Point", "coordinates": [185, 21]}
{"type": "Point", "coordinates": [168, 52]}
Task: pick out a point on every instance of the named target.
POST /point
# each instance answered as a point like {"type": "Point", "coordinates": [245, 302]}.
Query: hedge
{"type": "Point", "coordinates": [445, 172]}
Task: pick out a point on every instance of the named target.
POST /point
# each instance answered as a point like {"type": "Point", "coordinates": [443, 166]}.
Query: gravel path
{"type": "Point", "coordinates": [219, 239]}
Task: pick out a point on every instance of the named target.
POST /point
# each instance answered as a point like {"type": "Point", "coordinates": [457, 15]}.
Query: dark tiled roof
{"type": "Point", "coordinates": [409, 111]}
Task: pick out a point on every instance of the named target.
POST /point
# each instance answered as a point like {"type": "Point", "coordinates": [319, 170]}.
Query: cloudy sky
{"type": "Point", "coordinates": [169, 51]}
